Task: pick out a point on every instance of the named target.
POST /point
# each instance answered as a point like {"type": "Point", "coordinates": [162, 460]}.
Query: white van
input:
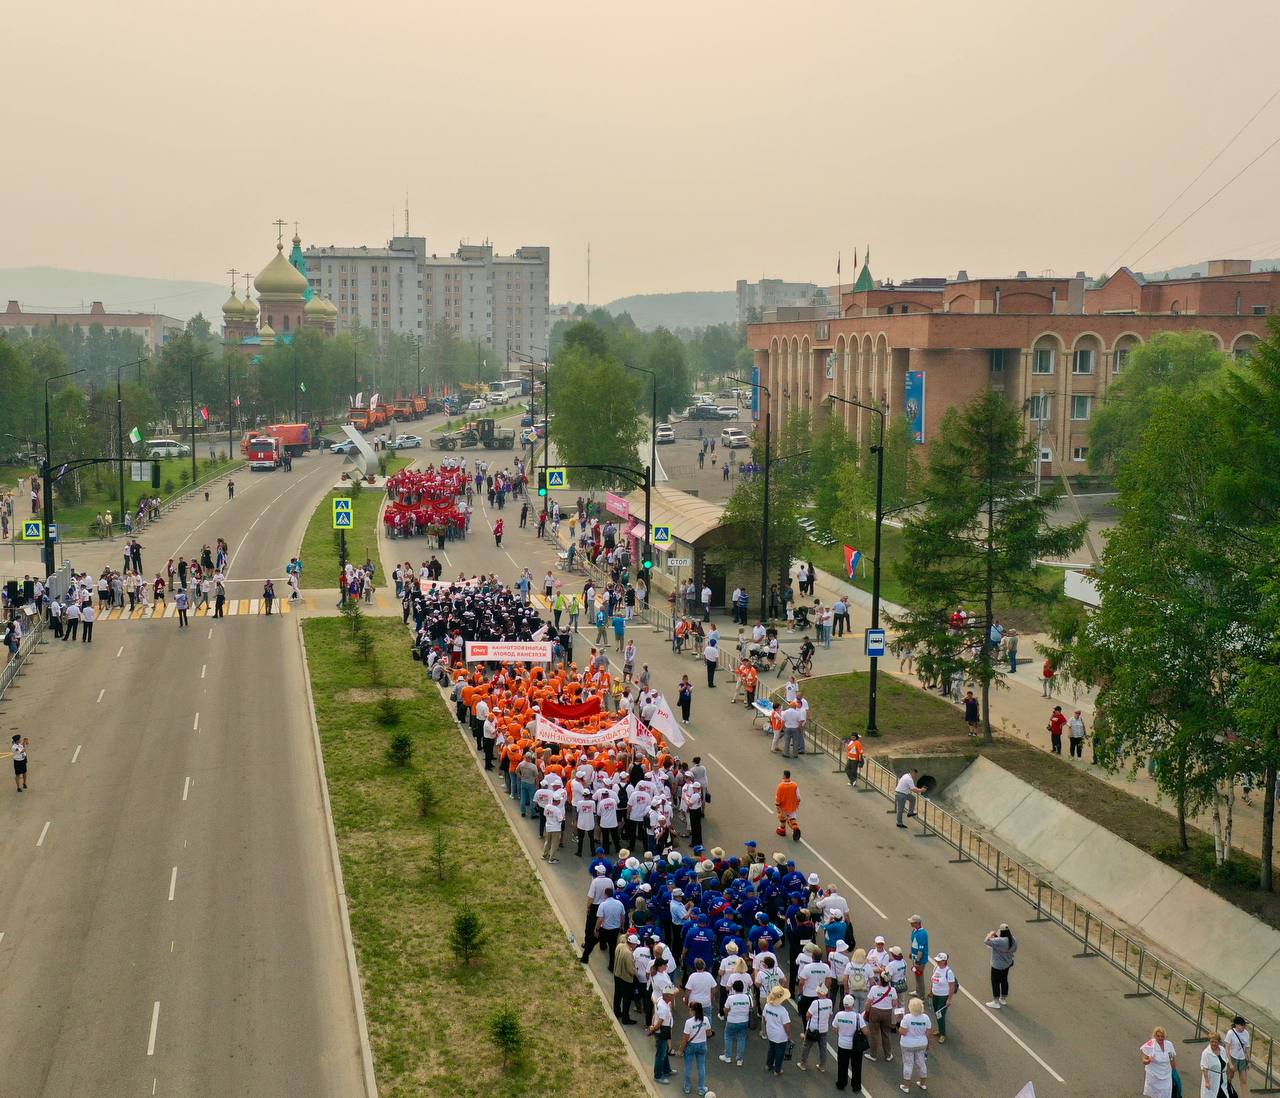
{"type": "Point", "coordinates": [166, 448]}
{"type": "Point", "coordinates": [732, 438]}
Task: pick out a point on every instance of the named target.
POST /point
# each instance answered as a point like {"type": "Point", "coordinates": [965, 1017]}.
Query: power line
{"type": "Point", "coordinates": [1207, 201]}
{"type": "Point", "coordinates": [1154, 221]}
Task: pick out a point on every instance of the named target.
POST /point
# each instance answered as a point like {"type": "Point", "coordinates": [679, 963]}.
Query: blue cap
{"type": "Point", "coordinates": [699, 849]}
{"type": "Point", "coordinates": [600, 850]}
{"type": "Point", "coordinates": [751, 843]}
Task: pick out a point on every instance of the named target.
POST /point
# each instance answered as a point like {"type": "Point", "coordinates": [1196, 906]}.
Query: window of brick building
{"type": "Point", "coordinates": [1081, 406]}
{"type": "Point", "coordinates": [1082, 361]}
{"type": "Point", "coordinates": [997, 361]}
{"type": "Point", "coordinates": [1038, 407]}
{"type": "Point", "coordinates": [1080, 453]}
{"type": "Point", "coordinates": [1043, 362]}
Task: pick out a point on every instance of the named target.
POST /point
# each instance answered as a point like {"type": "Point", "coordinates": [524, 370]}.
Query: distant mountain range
{"type": "Point", "coordinates": [687, 309]}
{"type": "Point", "coordinates": [1202, 267]}
{"type": "Point", "coordinates": [51, 289]}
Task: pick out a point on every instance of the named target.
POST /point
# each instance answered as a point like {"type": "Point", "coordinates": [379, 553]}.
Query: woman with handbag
{"type": "Point", "coordinates": [1214, 1070]}
{"type": "Point", "coordinates": [851, 1042]}
{"type": "Point", "coordinates": [697, 1030]}
{"type": "Point", "coordinates": [1159, 1062]}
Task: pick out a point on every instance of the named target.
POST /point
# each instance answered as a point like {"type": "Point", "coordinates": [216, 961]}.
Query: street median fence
{"type": "Point", "coordinates": [1151, 975]}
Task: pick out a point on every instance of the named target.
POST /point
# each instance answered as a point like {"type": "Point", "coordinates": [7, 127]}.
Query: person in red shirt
{"type": "Point", "coordinates": [787, 800]}
{"type": "Point", "coordinates": [497, 533]}
{"type": "Point", "coordinates": [1057, 723]}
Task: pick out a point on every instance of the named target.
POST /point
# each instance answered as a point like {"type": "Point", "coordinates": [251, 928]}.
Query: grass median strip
{"type": "Point", "coordinates": [320, 542]}
{"type": "Point", "coordinates": [409, 876]}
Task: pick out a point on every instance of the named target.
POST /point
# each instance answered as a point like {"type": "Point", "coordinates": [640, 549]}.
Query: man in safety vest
{"type": "Point", "coordinates": [749, 678]}
{"type": "Point", "coordinates": [853, 758]}
{"type": "Point", "coordinates": [787, 800]}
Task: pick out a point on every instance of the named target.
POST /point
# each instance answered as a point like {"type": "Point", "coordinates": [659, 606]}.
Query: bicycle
{"type": "Point", "coordinates": [803, 667]}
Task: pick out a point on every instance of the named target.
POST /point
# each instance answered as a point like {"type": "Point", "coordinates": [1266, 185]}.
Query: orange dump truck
{"type": "Point", "coordinates": [401, 409]}
{"type": "Point", "coordinates": [294, 437]}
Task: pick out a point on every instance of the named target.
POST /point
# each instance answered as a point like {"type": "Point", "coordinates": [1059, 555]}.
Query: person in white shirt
{"type": "Point", "coordinates": [817, 1021]}
{"type": "Point", "coordinates": [942, 986]}
{"type": "Point", "coordinates": [1214, 1069]}
{"type": "Point", "coordinates": [1238, 1042]}
{"type": "Point", "coordinates": [914, 1031]}
{"type": "Point", "coordinates": [553, 813]}
{"type": "Point", "coordinates": [736, 1012]}
{"type": "Point", "coordinates": [661, 1026]}
{"type": "Point", "coordinates": [1159, 1059]}
{"type": "Point", "coordinates": [882, 1002]}
{"type": "Point", "coordinates": [697, 1031]}
{"type": "Point", "coordinates": [776, 1022]}
{"type": "Point", "coordinates": [700, 986]}
{"type": "Point", "coordinates": [904, 795]}
{"type": "Point", "coordinates": [878, 954]}
{"type": "Point", "coordinates": [847, 1023]}
{"type": "Point", "coordinates": [810, 977]}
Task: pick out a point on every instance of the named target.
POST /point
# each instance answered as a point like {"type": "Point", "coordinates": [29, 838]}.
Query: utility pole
{"type": "Point", "coordinates": [1040, 438]}
{"type": "Point", "coordinates": [191, 374]}
{"type": "Point", "coordinates": [768, 461]}
{"type": "Point", "coordinates": [49, 563]}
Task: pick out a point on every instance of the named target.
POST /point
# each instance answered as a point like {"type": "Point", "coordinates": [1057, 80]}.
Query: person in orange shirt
{"type": "Point", "coordinates": [853, 758]}
{"type": "Point", "coordinates": [749, 677]}
{"type": "Point", "coordinates": [787, 800]}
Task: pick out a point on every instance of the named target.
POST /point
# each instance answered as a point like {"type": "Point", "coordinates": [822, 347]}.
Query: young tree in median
{"type": "Point", "coordinates": [976, 539]}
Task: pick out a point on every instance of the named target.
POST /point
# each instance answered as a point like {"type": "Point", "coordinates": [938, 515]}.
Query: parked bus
{"type": "Point", "coordinates": [502, 391]}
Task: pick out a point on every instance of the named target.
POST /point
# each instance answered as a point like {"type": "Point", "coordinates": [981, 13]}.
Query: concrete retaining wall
{"type": "Point", "coordinates": [1184, 920]}
{"type": "Point", "coordinates": [944, 769]}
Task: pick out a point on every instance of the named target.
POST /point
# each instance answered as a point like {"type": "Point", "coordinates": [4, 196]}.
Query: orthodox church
{"type": "Point", "coordinates": [286, 304]}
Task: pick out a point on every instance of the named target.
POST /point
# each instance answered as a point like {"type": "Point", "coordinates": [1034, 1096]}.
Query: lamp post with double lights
{"type": "Point", "coordinates": [768, 461]}
{"type": "Point", "coordinates": [878, 450]}
{"type": "Point", "coordinates": [49, 563]}
{"type": "Point", "coordinates": [647, 561]}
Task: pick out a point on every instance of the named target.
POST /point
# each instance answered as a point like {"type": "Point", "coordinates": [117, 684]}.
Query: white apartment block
{"type": "Point", "coordinates": [501, 300]}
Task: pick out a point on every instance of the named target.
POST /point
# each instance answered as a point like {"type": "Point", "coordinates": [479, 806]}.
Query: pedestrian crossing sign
{"type": "Point", "coordinates": [556, 478]}
{"type": "Point", "coordinates": [33, 530]}
{"type": "Point", "coordinates": [342, 513]}
{"type": "Point", "coordinates": [662, 535]}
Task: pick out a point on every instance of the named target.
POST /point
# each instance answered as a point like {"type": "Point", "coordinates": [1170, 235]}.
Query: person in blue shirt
{"type": "Point", "coordinates": [599, 859]}
{"type": "Point", "coordinates": [699, 944]}
{"type": "Point", "coordinates": [677, 916]}
{"type": "Point", "coordinates": [838, 930]}
{"type": "Point", "coordinates": [919, 954]}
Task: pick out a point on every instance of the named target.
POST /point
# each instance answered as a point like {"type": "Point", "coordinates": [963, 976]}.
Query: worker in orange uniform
{"type": "Point", "coordinates": [853, 758]}
{"type": "Point", "coordinates": [749, 678]}
{"type": "Point", "coordinates": [787, 800]}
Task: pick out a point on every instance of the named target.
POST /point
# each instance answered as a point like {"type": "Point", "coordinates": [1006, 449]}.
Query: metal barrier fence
{"type": "Point", "coordinates": [57, 585]}
{"type": "Point", "coordinates": [1151, 975]}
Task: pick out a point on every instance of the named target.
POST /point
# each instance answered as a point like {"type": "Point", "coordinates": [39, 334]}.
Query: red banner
{"type": "Point", "coordinates": [564, 711]}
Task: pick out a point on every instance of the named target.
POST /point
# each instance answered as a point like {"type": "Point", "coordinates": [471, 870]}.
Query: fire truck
{"type": "Point", "coordinates": [264, 452]}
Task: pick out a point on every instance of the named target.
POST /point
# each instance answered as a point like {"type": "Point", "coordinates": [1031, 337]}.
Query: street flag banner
{"type": "Point", "coordinates": [373, 400]}
{"type": "Point", "coordinates": [852, 558]}
{"type": "Point", "coordinates": [539, 633]}
{"type": "Point", "coordinates": [642, 738]}
{"type": "Point", "coordinates": [571, 711]}
{"type": "Point", "coordinates": [664, 722]}
{"type": "Point", "coordinates": [509, 651]}
{"type": "Point", "coordinates": [204, 413]}
{"type": "Point", "coordinates": [236, 402]}
{"type": "Point", "coordinates": [135, 436]}
{"type": "Point", "coordinates": [302, 385]}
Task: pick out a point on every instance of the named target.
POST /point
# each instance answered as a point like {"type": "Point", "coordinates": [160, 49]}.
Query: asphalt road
{"type": "Point", "coordinates": [169, 916]}
{"type": "Point", "coordinates": [1069, 1028]}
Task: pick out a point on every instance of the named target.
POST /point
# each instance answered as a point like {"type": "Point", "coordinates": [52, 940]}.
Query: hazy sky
{"type": "Point", "coordinates": [692, 143]}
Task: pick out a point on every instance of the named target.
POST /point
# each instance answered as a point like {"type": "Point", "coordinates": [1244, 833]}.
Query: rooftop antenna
{"type": "Point", "coordinates": [406, 213]}
{"type": "Point", "coordinates": [588, 274]}
{"type": "Point", "coordinates": [279, 232]}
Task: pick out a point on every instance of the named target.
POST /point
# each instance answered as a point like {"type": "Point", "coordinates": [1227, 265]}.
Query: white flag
{"type": "Point", "coordinates": [541, 632]}
{"type": "Point", "coordinates": [664, 721]}
{"type": "Point", "coordinates": [1026, 1092]}
{"type": "Point", "coordinates": [373, 400]}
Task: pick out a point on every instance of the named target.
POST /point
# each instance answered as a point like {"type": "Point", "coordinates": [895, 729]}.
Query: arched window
{"type": "Point", "coordinates": [286, 322]}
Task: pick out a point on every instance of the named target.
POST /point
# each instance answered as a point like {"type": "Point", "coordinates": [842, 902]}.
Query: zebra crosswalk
{"type": "Point", "coordinates": [232, 609]}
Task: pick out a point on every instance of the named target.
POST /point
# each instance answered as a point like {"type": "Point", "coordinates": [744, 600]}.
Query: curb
{"type": "Point", "coordinates": [353, 970]}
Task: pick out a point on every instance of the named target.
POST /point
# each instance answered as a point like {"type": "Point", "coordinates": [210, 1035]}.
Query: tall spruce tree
{"type": "Point", "coordinates": [975, 541]}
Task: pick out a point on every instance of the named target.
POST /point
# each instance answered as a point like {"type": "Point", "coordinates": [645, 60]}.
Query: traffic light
{"type": "Point", "coordinates": [542, 482]}
{"type": "Point", "coordinates": [646, 561]}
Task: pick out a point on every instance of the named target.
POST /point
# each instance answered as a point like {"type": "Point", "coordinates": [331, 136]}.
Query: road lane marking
{"type": "Point", "coordinates": [155, 1021]}
{"type": "Point", "coordinates": [209, 637]}
{"type": "Point", "coordinates": [186, 785]}
{"type": "Point", "coordinates": [1016, 1039]}
{"type": "Point", "coordinates": [203, 668]}
{"type": "Point", "coordinates": [1, 935]}
{"type": "Point", "coordinates": [803, 842]}
{"type": "Point", "coordinates": [100, 693]}
{"type": "Point", "coordinates": [195, 725]}
{"type": "Point", "coordinates": [173, 882]}
{"type": "Point", "coordinates": [119, 650]}
{"type": "Point", "coordinates": [77, 754]}
{"type": "Point", "coordinates": [43, 832]}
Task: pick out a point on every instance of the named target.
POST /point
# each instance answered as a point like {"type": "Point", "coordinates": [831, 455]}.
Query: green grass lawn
{"type": "Point", "coordinates": [320, 542]}
{"type": "Point", "coordinates": [912, 720]}
{"type": "Point", "coordinates": [100, 487]}
{"type": "Point", "coordinates": [428, 1013]}
{"type": "Point", "coordinates": [830, 558]}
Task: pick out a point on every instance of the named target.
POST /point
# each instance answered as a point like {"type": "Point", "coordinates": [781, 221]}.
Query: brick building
{"type": "Point", "coordinates": [155, 329]}
{"type": "Point", "coordinates": [1052, 345]}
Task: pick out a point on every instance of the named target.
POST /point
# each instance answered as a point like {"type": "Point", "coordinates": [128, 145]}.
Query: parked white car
{"type": "Point", "coordinates": [664, 434]}
{"type": "Point", "coordinates": [167, 448]}
{"type": "Point", "coordinates": [732, 438]}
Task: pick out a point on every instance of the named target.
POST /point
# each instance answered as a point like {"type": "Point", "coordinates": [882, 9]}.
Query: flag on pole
{"type": "Point", "coordinates": [302, 385]}
{"type": "Point", "coordinates": [135, 436]}
{"type": "Point", "coordinates": [204, 413]}
{"type": "Point", "coordinates": [664, 721]}
{"type": "Point", "coordinates": [852, 558]}
{"type": "Point", "coordinates": [236, 401]}
{"type": "Point", "coordinates": [855, 259]}
{"type": "Point", "coordinates": [837, 264]}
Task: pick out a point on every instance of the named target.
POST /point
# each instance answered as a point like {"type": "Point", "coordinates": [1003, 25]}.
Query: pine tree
{"type": "Point", "coordinates": [976, 540]}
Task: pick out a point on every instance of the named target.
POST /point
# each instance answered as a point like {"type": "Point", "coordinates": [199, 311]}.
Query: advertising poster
{"type": "Point", "coordinates": [915, 403]}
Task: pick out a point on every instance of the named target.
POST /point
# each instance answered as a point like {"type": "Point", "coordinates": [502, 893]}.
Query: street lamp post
{"type": "Point", "coordinates": [768, 461]}
{"type": "Point", "coordinates": [653, 452]}
{"type": "Point", "coordinates": [48, 474]}
{"type": "Point", "coordinates": [120, 422]}
{"type": "Point", "coordinates": [192, 377]}
{"type": "Point", "coordinates": [878, 450]}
